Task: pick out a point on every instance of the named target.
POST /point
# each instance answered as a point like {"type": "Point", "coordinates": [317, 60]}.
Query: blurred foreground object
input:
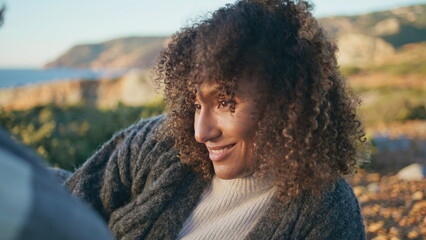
{"type": "Point", "coordinates": [3, 8]}
{"type": "Point", "coordinates": [34, 205]}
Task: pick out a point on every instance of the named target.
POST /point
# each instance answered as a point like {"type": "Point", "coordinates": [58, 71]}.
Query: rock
{"type": "Point", "coordinates": [138, 87]}
{"type": "Point", "coordinates": [388, 26]}
{"type": "Point", "coordinates": [395, 232]}
{"type": "Point", "coordinates": [375, 226]}
{"type": "Point", "coordinates": [412, 172]}
{"type": "Point", "coordinates": [373, 177]}
{"type": "Point", "coordinates": [418, 206]}
{"type": "Point", "coordinates": [412, 234]}
{"type": "Point", "coordinates": [417, 195]}
{"type": "Point", "coordinates": [359, 190]}
{"type": "Point", "coordinates": [362, 50]}
{"type": "Point", "coordinates": [373, 187]}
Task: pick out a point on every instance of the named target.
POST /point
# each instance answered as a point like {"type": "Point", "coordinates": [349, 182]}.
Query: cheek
{"type": "Point", "coordinates": [248, 131]}
{"type": "Point", "coordinates": [248, 124]}
{"type": "Point", "coordinates": [242, 126]}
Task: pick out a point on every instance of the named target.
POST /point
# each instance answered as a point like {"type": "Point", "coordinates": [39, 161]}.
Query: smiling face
{"type": "Point", "coordinates": [227, 128]}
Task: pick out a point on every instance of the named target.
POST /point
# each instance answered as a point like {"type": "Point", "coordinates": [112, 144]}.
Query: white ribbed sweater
{"type": "Point", "coordinates": [228, 209]}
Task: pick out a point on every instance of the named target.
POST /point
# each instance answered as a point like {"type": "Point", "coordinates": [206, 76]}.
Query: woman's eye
{"type": "Point", "coordinates": [223, 104]}
{"type": "Point", "coordinates": [226, 105]}
{"type": "Point", "coordinates": [197, 107]}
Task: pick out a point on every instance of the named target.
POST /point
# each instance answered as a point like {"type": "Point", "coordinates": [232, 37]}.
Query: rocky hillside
{"type": "Point", "coordinates": [374, 38]}
{"type": "Point", "coordinates": [363, 40]}
{"type": "Point", "coordinates": [397, 27]}
{"type": "Point", "coordinates": [123, 53]}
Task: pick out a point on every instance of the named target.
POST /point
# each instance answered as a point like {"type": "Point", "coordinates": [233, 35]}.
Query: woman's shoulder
{"type": "Point", "coordinates": [339, 213]}
{"type": "Point", "coordinates": [144, 142]}
{"type": "Point", "coordinates": [338, 196]}
{"type": "Point", "coordinates": [144, 134]}
{"type": "Point", "coordinates": [334, 215]}
{"type": "Point", "coordinates": [124, 167]}
{"type": "Point", "coordinates": [342, 194]}
{"type": "Point", "coordinates": [145, 126]}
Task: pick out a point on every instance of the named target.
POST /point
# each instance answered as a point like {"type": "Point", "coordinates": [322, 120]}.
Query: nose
{"type": "Point", "coordinates": [205, 126]}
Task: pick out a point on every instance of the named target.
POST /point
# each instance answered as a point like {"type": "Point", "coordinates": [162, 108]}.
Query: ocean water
{"type": "Point", "coordinates": [20, 77]}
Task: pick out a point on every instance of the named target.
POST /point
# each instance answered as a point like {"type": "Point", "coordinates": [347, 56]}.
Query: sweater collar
{"type": "Point", "coordinates": [245, 185]}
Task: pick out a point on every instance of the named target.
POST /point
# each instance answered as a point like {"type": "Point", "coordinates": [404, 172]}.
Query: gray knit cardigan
{"type": "Point", "coordinates": [143, 191]}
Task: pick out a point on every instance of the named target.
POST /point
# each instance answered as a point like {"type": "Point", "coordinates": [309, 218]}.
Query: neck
{"type": "Point", "coordinates": [245, 185]}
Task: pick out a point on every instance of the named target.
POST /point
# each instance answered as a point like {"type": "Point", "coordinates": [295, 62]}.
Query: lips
{"type": "Point", "coordinates": [218, 153]}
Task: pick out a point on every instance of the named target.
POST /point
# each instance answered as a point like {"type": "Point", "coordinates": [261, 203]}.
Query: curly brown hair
{"type": "Point", "coordinates": [309, 133]}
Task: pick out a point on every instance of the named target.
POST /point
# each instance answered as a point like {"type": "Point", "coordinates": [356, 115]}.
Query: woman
{"type": "Point", "coordinates": [260, 129]}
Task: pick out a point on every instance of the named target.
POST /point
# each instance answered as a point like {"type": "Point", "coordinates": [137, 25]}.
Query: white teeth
{"type": "Point", "coordinates": [219, 151]}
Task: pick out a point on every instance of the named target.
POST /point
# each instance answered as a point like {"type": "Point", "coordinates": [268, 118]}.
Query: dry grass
{"type": "Point", "coordinates": [386, 80]}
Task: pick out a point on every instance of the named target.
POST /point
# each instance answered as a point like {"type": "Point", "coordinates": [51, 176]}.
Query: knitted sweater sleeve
{"type": "Point", "coordinates": [105, 180]}
{"type": "Point", "coordinates": [339, 217]}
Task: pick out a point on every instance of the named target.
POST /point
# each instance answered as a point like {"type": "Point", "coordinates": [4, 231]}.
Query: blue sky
{"type": "Point", "coordinates": [35, 32]}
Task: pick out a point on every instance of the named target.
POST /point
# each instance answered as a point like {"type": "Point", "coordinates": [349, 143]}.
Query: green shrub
{"type": "Point", "coordinates": [415, 113]}
{"type": "Point", "coordinates": [386, 105]}
{"type": "Point", "coordinates": [67, 136]}
{"type": "Point", "coordinates": [403, 68]}
{"type": "Point", "coordinates": [350, 70]}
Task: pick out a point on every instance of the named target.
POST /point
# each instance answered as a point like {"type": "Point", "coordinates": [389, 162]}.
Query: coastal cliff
{"type": "Point", "coordinates": [122, 53]}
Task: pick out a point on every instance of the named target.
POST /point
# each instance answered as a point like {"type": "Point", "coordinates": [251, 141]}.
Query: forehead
{"type": "Point", "coordinates": [245, 88]}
